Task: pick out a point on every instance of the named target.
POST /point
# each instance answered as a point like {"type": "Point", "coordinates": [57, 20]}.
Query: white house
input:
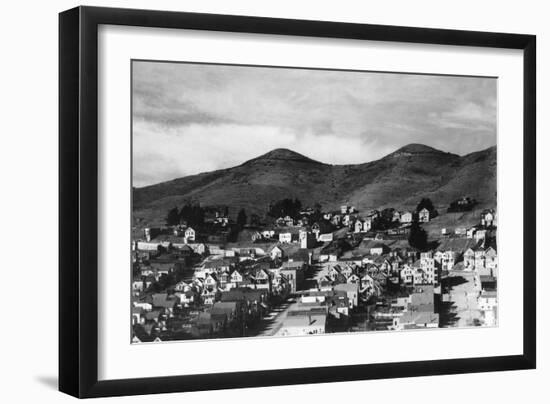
{"type": "Point", "coordinates": [285, 237]}
{"type": "Point", "coordinates": [487, 303]}
{"type": "Point", "coordinates": [406, 274]}
{"type": "Point", "coordinates": [428, 266]}
{"type": "Point", "coordinates": [487, 218]}
{"type": "Point", "coordinates": [367, 224]}
{"type": "Point", "coordinates": [276, 252]}
{"type": "Point", "coordinates": [307, 240]}
{"type": "Point", "coordinates": [326, 237]}
{"type": "Point", "coordinates": [469, 259]}
{"type": "Point", "coordinates": [190, 234]}
{"type": "Point", "coordinates": [424, 215]}
{"type": "Point", "coordinates": [406, 217]}
{"type": "Point", "coordinates": [491, 261]}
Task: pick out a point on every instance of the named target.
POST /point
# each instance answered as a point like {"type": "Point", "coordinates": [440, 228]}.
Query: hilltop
{"type": "Point", "coordinates": [398, 180]}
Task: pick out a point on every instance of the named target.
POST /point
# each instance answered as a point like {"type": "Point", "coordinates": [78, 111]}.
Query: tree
{"type": "Point", "coordinates": [317, 214]}
{"type": "Point", "coordinates": [192, 214]}
{"type": "Point", "coordinates": [173, 217]}
{"type": "Point", "coordinates": [241, 218]}
{"type": "Point", "coordinates": [285, 207]}
{"type": "Point", "coordinates": [425, 203]}
{"type": "Point", "coordinates": [418, 237]}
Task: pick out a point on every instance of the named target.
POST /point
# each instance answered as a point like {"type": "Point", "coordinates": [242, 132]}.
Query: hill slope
{"type": "Point", "coordinates": [398, 180]}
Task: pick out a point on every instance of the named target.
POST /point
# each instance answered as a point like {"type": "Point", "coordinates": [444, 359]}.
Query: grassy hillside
{"type": "Point", "coordinates": [398, 180]}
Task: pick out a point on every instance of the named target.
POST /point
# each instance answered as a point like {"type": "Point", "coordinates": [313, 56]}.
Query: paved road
{"type": "Point", "coordinates": [464, 297]}
{"type": "Point", "coordinates": [274, 320]}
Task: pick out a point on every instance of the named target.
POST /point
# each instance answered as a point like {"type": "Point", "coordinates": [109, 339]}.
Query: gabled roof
{"type": "Point", "coordinates": [163, 300]}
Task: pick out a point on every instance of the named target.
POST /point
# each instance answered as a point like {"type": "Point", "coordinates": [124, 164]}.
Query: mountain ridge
{"type": "Point", "coordinates": [398, 179]}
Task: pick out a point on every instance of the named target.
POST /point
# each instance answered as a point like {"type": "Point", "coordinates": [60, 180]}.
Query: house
{"type": "Point", "coordinates": [256, 301]}
{"type": "Point", "coordinates": [406, 274]}
{"type": "Point", "coordinates": [182, 286]}
{"type": "Point", "coordinates": [406, 217]}
{"type": "Point", "coordinates": [293, 271]}
{"type": "Point", "coordinates": [487, 303]}
{"type": "Point", "coordinates": [470, 232]}
{"type": "Point", "coordinates": [346, 220]}
{"type": "Point", "coordinates": [268, 234]}
{"type": "Point", "coordinates": [333, 272]}
{"type": "Point", "coordinates": [367, 282]}
{"type": "Point", "coordinates": [487, 218]}
{"type": "Point", "coordinates": [255, 236]}
{"type": "Point", "coordinates": [236, 279]}
{"type": "Point", "coordinates": [307, 239]}
{"type": "Point", "coordinates": [445, 259]}
{"type": "Point", "coordinates": [145, 306]}
{"type": "Point", "coordinates": [367, 224]}
{"type": "Point", "coordinates": [416, 319]}
{"type": "Point", "coordinates": [285, 237]}
{"type": "Point", "coordinates": [139, 285]}
{"type": "Point", "coordinates": [280, 286]}
{"type": "Point", "coordinates": [396, 216]}
{"type": "Point", "coordinates": [262, 279]}
{"type": "Point", "coordinates": [189, 234]}
{"type": "Point", "coordinates": [280, 221]}
{"type": "Point", "coordinates": [209, 324]}
{"type": "Point", "coordinates": [358, 226]}
{"type": "Point", "coordinates": [379, 249]}
{"type": "Point", "coordinates": [230, 310]}
{"type": "Point", "coordinates": [288, 221]}
{"type": "Point", "coordinates": [354, 278]}
{"type": "Point", "coordinates": [469, 259]}
{"type": "Point", "coordinates": [277, 253]}
{"type": "Point", "coordinates": [460, 231]}
{"type": "Point", "coordinates": [491, 262]}
{"type": "Point", "coordinates": [424, 215]}
{"type": "Point", "coordinates": [137, 317]}
{"type": "Point", "coordinates": [163, 301]}
{"type": "Point", "coordinates": [333, 251]}
{"type": "Point", "coordinates": [480, 234]}
{"type": "Point", "coordinates": [351, 290]}
{"type": "Point", "coordinates": [211, 282]}
{"type": "Point", "coordinates": [326, 238]}
{"type": "Point", "coordinates": [427, 264]}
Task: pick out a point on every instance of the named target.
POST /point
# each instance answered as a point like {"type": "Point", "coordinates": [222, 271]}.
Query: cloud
{"type": "Point", "coordinates": [190, 118]}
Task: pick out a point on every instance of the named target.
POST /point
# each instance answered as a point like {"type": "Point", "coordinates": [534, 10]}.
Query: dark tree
{"type": "Point", "coordinates": [425, 203]}
{"type": "Point", "coordinates": [418, 237]}
{"type": "Point", "coordinates": [285, 207]}
{"type": "Point", "coordinates": [192, 214]}
{"type": "Point", "coordinates": [241, 218]}
{"type": "Point", "coordinates": [172, 218]}
{"type": "Point", "coordinates": [255, 219]}
{"type": "Point", "coordinates": [385, 220]}
{"type": "Point", "coordinates": [317, 214]}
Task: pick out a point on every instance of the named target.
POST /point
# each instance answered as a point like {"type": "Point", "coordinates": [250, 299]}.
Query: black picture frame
{"type": "Point", "coordinates": [78, 203]}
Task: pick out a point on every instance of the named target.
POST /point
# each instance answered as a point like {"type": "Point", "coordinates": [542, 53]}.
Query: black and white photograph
{"type": "Point", "coordinates": [280, 201]}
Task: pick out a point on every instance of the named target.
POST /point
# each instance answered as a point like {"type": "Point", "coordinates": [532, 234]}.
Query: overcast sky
{"type": "Point", "coordinates": [190, 118]}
